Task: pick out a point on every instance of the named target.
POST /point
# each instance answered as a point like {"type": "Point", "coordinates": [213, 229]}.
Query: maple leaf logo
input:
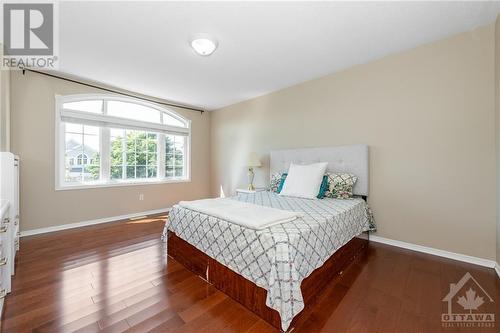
{"type": "Point", "coordinates": [470, 301]}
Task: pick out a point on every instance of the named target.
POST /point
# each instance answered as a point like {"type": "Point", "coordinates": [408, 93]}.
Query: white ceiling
{"type": "Point", "coordinates": [263, 47]}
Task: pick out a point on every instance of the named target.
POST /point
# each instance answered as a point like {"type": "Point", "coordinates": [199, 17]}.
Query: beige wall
{"type": "Point", "coordinates": [497, 131]}
{"type": "Point", "coordinates": [32, 138]}
{"type": "Point", "coordinates": [4, 107]}
{"type": "Point", "coordinates": [428, 116]}
{"type": "Point", "coordinates": [4, 110]}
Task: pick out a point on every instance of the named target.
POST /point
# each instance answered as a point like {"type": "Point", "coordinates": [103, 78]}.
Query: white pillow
{"type": "Point", "coordinates": [304, 181]}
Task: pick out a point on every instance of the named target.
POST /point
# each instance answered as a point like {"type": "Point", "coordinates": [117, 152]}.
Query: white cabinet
{"type": "Point", "coordinates": [4, 245]}
{"type": "Point", "coordinates": [9, 192]}
{"type": "Point", "coordinates": [15, 204]}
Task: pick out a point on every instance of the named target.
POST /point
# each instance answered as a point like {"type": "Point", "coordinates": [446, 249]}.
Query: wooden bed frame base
{"type": "Point", "coordinates": [249, 294]}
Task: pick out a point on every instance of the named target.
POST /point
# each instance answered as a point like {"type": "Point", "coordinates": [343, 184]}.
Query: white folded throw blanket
{"type": "Point", "coordinates": [242, 213]}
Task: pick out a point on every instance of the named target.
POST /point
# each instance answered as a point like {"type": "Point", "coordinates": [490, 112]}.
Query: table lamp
{"type": "Point", "coordinates": [253, 162]}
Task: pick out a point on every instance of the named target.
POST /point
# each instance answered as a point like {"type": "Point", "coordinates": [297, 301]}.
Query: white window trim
{"type": "Point", "coordinates": [61, 185]}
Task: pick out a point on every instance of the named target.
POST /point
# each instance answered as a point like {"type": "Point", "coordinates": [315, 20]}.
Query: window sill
{"type": "Point", "coordinates": [84, 186]}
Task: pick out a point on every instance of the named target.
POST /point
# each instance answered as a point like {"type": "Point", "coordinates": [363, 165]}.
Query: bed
{"type": "Point", "coordinates": [278, 271]}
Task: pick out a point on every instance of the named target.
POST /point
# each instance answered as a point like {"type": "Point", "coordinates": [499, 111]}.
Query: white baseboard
{"type": "Point", "coordinates": [91, 222]}
{"type": "Point", "coordinates": [441, 253]}
{"type": "Point", "coordinates": [497, 269]}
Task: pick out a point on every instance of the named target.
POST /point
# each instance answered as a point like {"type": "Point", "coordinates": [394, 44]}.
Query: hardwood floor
{"type": "Point", "coordinates": [116, 277]}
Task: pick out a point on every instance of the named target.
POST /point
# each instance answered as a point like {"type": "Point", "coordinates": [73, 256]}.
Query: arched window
{"type": "Point", "coordinates": [81, 159]}
{"type": "Point", "coordinates": [121, 140]}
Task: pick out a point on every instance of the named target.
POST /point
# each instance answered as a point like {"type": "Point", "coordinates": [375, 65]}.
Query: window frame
{"type": "Point", "coordinates": [105, 179]}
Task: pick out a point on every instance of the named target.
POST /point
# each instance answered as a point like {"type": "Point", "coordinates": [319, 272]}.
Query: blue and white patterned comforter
{"type": "Point", "coordinates": [280, 257]}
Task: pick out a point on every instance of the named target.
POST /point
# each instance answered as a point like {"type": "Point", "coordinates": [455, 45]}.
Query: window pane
{"type": "Point", "coordinates": [73, 142]}
{"type": "Point", "coordinates": [74, 128]}
{"type": "Point", "coordinates": [152, 149]}
{"type": "Point", "coordinates": [87, 106]}
{"type": "Point", "coordinates": [169, 144]}
{"type": "Point", "coordinates": [116, 172]}
{"type": "Point", "coordinates": [141, 171]}
{"type": "Point", "coordinates": [152, 143]}
{"type": "Point", "coordinates": [152, 172]}
{"type": "Point", "coordinates": [116, 150]}
{"type": "Point", "coordinates": [73, 149]}
{"type": "Point", "coordinates": [174, 156]}
{"type": "Point", "coordinates": [91, 143]}
{"type": "Point", "coordinates": [169, 161]}
{"type": "Point", "coordinates": [90, 130]}
{"type": "Point", "coordinates": [179, 161]}
{"type": "Point", "coordinates": [141, 140]}
{"type": "Point", "coordinates": [140, 158]}
{"type": "Point", "coordinates": [170, 120]}
{"type": "Point", "coordinates": [82, 159]}
{"type": "Point", "coordinates": [169, 172]}
{"type": "Point", "coordinates": [130, 159]}
{"type": "Point", "coordinates": [130, 172]}
{"type": "Point", "coordinates": [133, 111]}
{"type": "Point", "coordinates": [179, 142]}
{"type": "Point", "coordinates": [91, 173]}
{"type": "Point", "coordinates": [151, 159]}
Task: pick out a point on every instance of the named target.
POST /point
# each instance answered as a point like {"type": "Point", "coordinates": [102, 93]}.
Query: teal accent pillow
{"type": "Point", "coordinates": [322, 189]}
{"type": "Point", "coordinates": [282, 182]}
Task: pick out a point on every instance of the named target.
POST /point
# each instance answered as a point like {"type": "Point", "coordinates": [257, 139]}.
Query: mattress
{"type": "Point", "coordinates": [280, 257]}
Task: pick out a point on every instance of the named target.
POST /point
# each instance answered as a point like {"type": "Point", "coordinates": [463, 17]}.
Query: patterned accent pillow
{"type": "Point", "coordinates": [341, 185]}
{"type": "Point", "coordinates": [275, 182]}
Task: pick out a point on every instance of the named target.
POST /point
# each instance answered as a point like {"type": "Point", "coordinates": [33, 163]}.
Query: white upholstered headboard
{"type": "Point", "coordinates": [352, 159]}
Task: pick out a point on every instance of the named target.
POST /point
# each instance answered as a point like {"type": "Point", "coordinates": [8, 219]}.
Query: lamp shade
{"type": "Point", "coordinates": [253, 160]}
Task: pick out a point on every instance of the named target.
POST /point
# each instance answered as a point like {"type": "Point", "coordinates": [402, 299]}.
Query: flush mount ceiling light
{"type": "Point", "coordinates": [203, 44]}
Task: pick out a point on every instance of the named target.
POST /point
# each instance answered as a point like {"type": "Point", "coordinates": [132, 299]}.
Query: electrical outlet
{"type": "Point", "coordinates": [141, 197]}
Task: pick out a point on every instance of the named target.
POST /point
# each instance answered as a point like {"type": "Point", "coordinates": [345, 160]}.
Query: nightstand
{"type": "Point", "coordinates": [242, 190]}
